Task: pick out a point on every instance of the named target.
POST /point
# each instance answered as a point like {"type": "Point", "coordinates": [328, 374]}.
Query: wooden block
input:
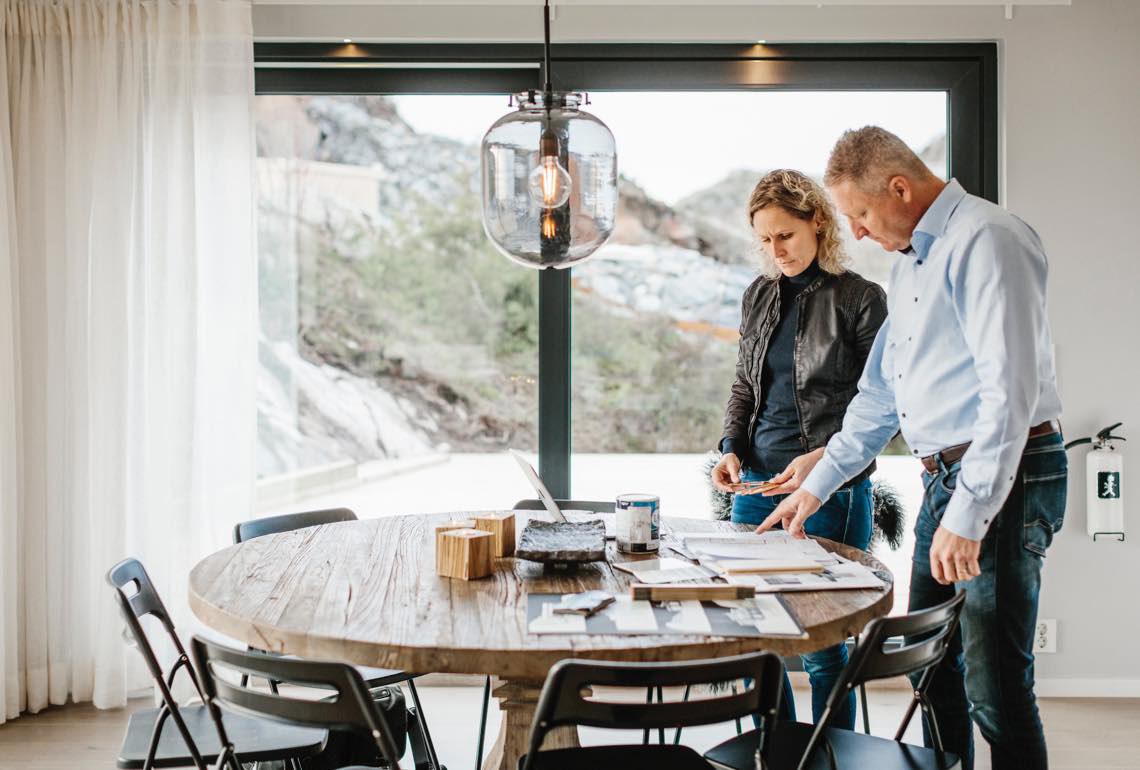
{"type": "Point", "coordinates": [699, 591]}
{"type": "Point", "coordinates": [441, 528]}
{"type": "Point", "coordinates": [502, 526]}
{"type": "Point", "coordinates": [464, 554]}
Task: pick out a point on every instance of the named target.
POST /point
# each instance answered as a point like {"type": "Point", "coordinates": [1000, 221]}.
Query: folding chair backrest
{"type": "Point", "coordinates": [350, 709]}
{"type": "Point", "coordinates": [597, 506]}
{"type": "Point", "coordinates": [287, 522]}
{"type": "Point", "coordinates": [926, 634]}
{"type": "Point", "coordinates": [138, 598]}
{"type": "Point", "coordinates": [563, 702]}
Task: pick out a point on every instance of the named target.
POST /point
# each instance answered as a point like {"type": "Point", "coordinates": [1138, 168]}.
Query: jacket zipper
{"type": "Point", "coordinates": [755, 361]}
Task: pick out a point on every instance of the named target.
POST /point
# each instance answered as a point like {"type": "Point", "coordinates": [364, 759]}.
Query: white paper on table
{"type": "Point", "coordinates": [690, 618]}
{"type": "Point", "coordinates": [839, 576]}
{"type": "Point", "coordinates": [631, 615]}
{"type": "Point", "coordinates": [550, 623]}
{"type": "Point", "coordinates": [666, 570]}
{"type": "Point", "coordinates": [777, 546]}
{"type": "Point", "coordinates": [765, 613]}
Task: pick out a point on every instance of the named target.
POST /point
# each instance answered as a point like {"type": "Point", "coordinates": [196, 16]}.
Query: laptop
{"type": "Point", "coordinates": [552, 507]}
{"type": "Point", "coordinates": [540, 488]}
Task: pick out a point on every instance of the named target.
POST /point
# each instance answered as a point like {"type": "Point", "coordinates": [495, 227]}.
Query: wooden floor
{"type": "Point", "coordinates": [1082, 734]}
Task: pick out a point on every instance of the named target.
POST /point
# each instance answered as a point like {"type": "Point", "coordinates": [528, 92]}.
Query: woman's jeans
{"type": "Point", "coordinates": [845, 518]}
{"type": "Point", "coordinates": [987, 673]}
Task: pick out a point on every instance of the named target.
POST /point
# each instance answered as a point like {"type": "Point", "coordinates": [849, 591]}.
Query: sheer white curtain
{"type": "Point", "coordinates": [127, 320]}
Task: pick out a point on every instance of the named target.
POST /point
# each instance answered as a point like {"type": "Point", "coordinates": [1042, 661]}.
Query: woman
{"type": "Point", "coordinates": [806, 328]}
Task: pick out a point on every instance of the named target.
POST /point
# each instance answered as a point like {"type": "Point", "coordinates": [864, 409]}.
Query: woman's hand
{"type": "Point", "coordinates": [726, 472]}
{"type": "Point", "coordinates": [798, 469]}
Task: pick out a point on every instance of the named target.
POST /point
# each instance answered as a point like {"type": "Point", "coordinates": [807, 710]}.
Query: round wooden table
{"type": "Point", "coordinates": [366, 592]}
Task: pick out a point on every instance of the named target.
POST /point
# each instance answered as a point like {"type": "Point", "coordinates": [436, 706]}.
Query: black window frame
{"type": "Point", "coordinates": [967, 72]}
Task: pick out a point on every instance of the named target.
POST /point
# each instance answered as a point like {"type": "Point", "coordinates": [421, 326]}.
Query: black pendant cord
{"type": "Point", "coordinates": [547, 88]}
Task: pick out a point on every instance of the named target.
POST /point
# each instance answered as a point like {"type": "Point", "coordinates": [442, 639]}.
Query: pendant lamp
{"type": "Point", "coordinates": [549, 177]}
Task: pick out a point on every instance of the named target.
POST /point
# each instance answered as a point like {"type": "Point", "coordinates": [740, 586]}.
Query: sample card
{"type": "Point", "coordinates": [842, 575]}
{"type": "Point", "coordinates": [760, 616]}
{"type": "Point", "coordinates": [547, 622]}
{"type": "Point", "coordinates": [666, 570]}
{"type": "Point", "coordinates": [632, 617]}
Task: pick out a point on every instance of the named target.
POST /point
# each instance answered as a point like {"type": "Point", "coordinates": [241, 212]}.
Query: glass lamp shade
{"type": "Point", "coordinates": [528, 213]}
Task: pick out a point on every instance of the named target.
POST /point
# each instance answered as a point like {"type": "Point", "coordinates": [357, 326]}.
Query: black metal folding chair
{"type": "Point", "coordinates": [194, 741]}
{"type": "Point", "coordinates": [349, 709]}
{"type": "Point", "coordinates": [796, 745]}
{"type": "Point", "coordinates": [564, 702]}
{"type": "Point", "coordinates": [423, 749]}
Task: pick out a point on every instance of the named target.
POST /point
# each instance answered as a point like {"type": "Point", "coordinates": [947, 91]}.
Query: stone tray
{"type": "Point", "coordinates": [562, 542]}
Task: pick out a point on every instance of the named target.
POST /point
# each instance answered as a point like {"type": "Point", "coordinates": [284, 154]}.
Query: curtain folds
{"type": "Point", "coordinates": [128, 321]}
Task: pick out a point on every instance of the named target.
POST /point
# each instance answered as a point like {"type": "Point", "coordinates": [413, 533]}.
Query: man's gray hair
{"type": "Point", "coordinates": [869, 157]}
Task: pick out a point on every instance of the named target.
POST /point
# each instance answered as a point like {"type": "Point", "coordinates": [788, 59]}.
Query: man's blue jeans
{"type": "Point", "coordinates": [846, 518]}
{"type": "Point", "coordinates": [988, 671]}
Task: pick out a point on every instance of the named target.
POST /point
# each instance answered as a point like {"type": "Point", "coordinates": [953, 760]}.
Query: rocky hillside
{"type": "Point", "coordinates": [391, 327]}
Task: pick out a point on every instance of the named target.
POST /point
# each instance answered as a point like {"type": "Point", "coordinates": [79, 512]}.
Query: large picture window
{"type": "Point", "coordinates": [400, 354]}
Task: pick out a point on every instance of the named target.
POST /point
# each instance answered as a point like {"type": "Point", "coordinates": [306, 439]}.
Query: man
{"type": "Point", "coordinates": [964, 367]}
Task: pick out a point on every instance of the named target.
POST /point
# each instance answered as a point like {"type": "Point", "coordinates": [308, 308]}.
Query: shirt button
{"type": "Point", "coordinates": [916, 299]}
{"type": "Point", "coordinates": [900, 376]}
{"type": "Point", "coordinates": [908, 339]}
{"type": "Point", "coordinates": [903, 414]}
{"type": "Point", "coordinates": [920, 261]}
{"type": "Point", "coordinates": [985, 521]}
{"type": "Point", "coordinates": [914, 451]}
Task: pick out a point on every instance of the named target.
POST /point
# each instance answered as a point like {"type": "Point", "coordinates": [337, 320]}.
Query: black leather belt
{"type": "Point", "coordinates": [953, 454]}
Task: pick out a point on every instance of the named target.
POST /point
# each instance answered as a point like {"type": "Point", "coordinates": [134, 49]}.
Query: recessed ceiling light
{"type": "Point", "coordinates": [348, 40]}
{"type": "Point", "coordinates": [762, 42]}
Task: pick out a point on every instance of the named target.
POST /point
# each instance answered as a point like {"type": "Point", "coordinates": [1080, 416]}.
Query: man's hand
{"type": "Point", "coordinates": [791, 478]}
{"type": "Point", "coordinates": [726, 472]}
{"type": "Point", "coordinates": [792, 513]}
{"type": "Point", "coordinates": [953, 558]}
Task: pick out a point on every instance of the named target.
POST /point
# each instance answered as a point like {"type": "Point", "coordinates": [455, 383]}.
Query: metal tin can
{"type": "Point", "coordinates": [637, 523]}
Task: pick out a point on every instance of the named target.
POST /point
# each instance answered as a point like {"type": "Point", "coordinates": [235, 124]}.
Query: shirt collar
{"type": "Point", "coordinates": [934, 221]}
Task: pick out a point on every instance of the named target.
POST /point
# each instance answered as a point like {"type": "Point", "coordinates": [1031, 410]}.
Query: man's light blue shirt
{"type": "Point", "coordinates": [965, 355]}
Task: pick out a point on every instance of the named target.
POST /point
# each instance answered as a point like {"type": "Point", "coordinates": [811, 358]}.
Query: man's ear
{"type": "Point", "coordinates": [898, 186]}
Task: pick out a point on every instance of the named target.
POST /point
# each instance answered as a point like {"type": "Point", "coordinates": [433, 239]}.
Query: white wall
{"type": "Point", "coordinates": [1070, 131]}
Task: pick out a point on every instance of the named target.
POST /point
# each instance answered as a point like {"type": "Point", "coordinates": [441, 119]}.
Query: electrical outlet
{"type": "Point", "coordinates": [1045, 639]}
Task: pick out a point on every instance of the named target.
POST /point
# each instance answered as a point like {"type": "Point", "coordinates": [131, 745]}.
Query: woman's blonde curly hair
{"type": "Point", "coordinates": [801, 197]}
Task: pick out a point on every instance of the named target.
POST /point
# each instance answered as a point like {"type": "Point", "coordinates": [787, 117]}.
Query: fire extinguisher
{"type": "Point", "coordinates": [1105, 495]}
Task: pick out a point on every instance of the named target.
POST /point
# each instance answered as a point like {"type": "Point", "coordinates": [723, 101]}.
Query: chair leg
{"type": "Point", "coordinates": [932, 722]}
{"type": "Point", "coordinates": [423, 726]}
{"type": "Point", "coordinates": [684, 699]}
{"type": "Point", "coordinates": [645, 734]}
{"type": "Point", "coordinates": [483, 724]}
{"type": "Point", "coordinates": [866, 713]}
{"type": "Point", "coordinates": [739, 728]}
{"type": "Point", "coordinates": [660, 730]}
{"type": "Point", "coordinates": [420, 758]}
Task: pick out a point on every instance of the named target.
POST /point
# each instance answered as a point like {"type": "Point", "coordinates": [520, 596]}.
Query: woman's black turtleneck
{"type": "Point", "coordinates": [776, 441]}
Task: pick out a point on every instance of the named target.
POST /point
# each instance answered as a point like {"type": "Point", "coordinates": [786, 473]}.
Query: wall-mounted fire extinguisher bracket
{"type": "Point", "coordinates": [1105, 495]}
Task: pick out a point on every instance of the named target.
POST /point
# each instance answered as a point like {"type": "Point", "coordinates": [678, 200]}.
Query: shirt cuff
{"type": "Point", "coordinates": [966, 517]}
{"type": "Point", "coordinates": [824, 480]}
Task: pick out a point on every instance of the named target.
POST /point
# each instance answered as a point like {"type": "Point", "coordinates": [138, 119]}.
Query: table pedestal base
{"type": "Point", "coordinates": [517, 702]}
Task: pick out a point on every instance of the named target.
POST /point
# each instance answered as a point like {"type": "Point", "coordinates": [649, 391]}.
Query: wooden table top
{"type": "Point", "coordinates": [366, 592]}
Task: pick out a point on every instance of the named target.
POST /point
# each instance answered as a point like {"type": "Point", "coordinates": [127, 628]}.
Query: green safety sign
{"type": "Point", "coordinates": [1108, 485]}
